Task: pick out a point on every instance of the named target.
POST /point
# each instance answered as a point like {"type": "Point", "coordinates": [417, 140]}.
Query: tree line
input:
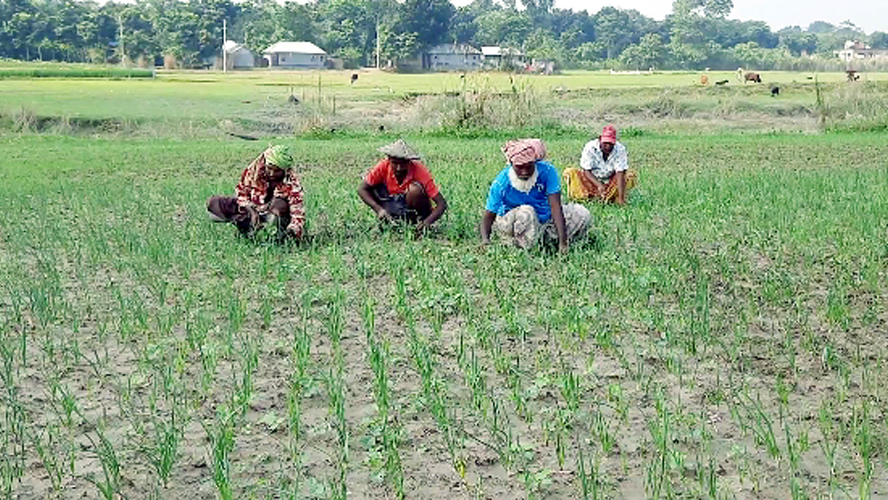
{"type": "Point", "coordinates": [697, 34]}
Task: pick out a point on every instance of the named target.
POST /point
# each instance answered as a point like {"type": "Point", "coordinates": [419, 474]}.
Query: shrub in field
{"type": "Point", "coordinates": [858, 106]}
{"type": "Point", "coordinates": [20, 120]}
{"type": "Point", "coordinates": [664, 106]}
{"type": "Point", "coordinates": [480, 105]}
{"type": "Point", "coordinates": [75, 73]}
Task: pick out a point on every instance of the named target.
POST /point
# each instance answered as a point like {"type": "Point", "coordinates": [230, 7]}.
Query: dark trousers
{"type": "Point", "coordinates": [396, 205]}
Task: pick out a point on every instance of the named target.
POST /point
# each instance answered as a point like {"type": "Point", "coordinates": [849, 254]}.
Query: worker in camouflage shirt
{"type": "Point", "coordinates": [268, 193]}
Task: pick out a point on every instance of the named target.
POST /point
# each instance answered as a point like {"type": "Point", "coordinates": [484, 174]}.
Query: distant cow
{"type": "Point", "coordinates": [752, 77]}
{"type": "Point", "coordinates": [722, 82]}
{"type": "Point", "coordinates": [775, 90]}
{"type": "Point", "coordinates": [354, 77]}
{"type": "Point", "coordinates": [852, 75]}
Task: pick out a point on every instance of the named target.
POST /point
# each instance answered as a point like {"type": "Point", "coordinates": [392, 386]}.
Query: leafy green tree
{"type": "Point", "coordinates": [177, 32]}
{"type": "Point", "coordinates": [295, 21]}
{"type": "Point", "coordinates": [878, 40]}
{"type": "Point", "coordinates": [256, 26]}
{"type": "Point", "coordinates": [685, 35]}
{"type": "Point", "coordinates": [18, 19]}
{"type": "Point", "coordinates": [574, 28]}
{"type": "Point", "coordinates": [538, 10]}
{"type": "Point", "coordinates": [96, 29]}
{"type": "Point", "coordinates": [590, 52]}
{"type": "Point", "coordinates": [429, 19]}
{"type": "Point", "coordinates": [798, 43]}
{"type": "Point", "coordinates": [347, 27]}
{"type": "Point", "coordinates": [649, 52]}
{"type": "Point", "coordinates": [831, 37]}
{"type": "Point", "coordinates": [760, 33]}
{"type": "Point", "coordinates": [818, 27]}
{"type": "Point", "coordinates": [19, 27]}
{"type": "Point", "coordinates": [502, 27]}
{"type": "Point", "coordinates": [617, 29]}
{"type": "Point", "coordinates": [713, 8]}
{"type": "Point", "coordinates": [686, 56]}
{"type": "Point", "coordinates": [462, 26]}
{"type": "Point", "coordinates": [749, 54]}
{"type": "Point", "coordinates": [398, 46]}
{"type": "Point", "coordinates": [543, 45]}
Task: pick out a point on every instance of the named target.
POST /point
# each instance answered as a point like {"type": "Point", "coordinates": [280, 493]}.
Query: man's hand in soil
{"type": "Point", "coordinates": [384, 216]}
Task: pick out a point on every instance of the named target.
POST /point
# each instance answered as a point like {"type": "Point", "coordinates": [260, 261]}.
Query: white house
{"type": "Point", "coordinates": [295, 55]}
{"type": "Point", "coordinates": [855, 51]}
{"type": "Point", "coordinates": [502, 57]}
{"type": "Point", "coordinates": [450, 57]}
{"type": "Point", "coordinates": [237, 55]}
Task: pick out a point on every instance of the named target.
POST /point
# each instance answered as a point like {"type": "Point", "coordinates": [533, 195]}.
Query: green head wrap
{"type": "Point", "coordinates": [279, 156]}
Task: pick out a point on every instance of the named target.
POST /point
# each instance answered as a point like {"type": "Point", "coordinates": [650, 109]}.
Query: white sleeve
{"type": "Point", "coordinates": [621, 163]}
{"type": "Point", "coordinates": [587, 160]}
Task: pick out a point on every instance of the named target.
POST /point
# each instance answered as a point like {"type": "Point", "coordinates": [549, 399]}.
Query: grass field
{"type": "Point", "coordinates": [722, 336]}
{"type": "Point", "coordinates": [208, 104]}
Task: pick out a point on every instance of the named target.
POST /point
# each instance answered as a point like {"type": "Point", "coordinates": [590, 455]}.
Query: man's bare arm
{"type": "Point", "coordinates": [486, 225]}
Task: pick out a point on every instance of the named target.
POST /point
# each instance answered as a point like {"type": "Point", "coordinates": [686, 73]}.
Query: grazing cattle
{"type": "Point", "coordinates": [722, 82]}
{"type": "Point", "coordinates": [354, 77]}
{"type": "Point", "coordinates": [852, 75]}
{"type": "Point", "coordinates": [293, 99]}
{"type": "Point", "coordinates": [775, 90]}
{"type": "Point", "coordinates": [752, 77]}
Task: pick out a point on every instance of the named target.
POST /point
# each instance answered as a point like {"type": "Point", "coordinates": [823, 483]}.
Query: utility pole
{"type": "Point", "coordinates": [378, 43]}
{"type": "Point", "coordinates": [120, 39]}
{"type": "Point", "coordinates": [224, 49]}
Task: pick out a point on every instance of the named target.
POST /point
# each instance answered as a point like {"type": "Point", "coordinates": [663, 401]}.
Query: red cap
{"type": "Point", "coordinates": [609, 134]}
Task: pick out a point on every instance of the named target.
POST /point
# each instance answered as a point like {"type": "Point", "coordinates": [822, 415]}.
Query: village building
{"type": "Point", "coordinates": [542, 66]}
{"type": "Point", "coordinates": [296, 55]}
{"type": "Point", "coordinates": [237, 56]}
{"type": "Point", "coordinates": [502, 57]}
{"type": "Point", "coordinates": [452, 57]}
{"type": "Point", "coordinates": [856, 51]}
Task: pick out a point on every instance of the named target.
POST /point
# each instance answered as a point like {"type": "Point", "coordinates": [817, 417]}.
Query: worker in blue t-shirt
{"type": "Point", "coordinates": [524, 203]}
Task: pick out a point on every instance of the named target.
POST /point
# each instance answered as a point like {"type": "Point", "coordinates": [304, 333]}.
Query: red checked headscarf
{"type": "Point", "coordinates": [524, 151]}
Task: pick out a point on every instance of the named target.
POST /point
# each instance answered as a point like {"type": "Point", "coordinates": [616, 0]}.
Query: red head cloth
{"type": "Point", "coordinates": [609, 134]}
{"type": "Point", "coordinates": [524, 151]}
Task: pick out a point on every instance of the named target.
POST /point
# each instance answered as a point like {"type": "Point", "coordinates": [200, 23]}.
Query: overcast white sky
{"type": "Point", "coordinates": [871, 15]}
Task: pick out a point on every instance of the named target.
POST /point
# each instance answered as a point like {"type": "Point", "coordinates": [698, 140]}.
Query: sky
{"type": "Point", "coordinates": [870, 15]}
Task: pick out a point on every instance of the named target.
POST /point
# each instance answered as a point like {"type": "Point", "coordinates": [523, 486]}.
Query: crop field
{"type": "Point", "coordinates": [725, 335]}
{"type": "Point", "coordinates": [261, 103]}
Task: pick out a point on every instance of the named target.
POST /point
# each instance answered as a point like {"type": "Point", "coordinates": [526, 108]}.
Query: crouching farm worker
{"type": "Point", "coordinates": [524, 202]}
{"type": "Point", "coordinates": [400, 188]}
{"type": "Point", "coordinates": [604, 172]}
{"type": "Point", "coordinates": [268, 193]}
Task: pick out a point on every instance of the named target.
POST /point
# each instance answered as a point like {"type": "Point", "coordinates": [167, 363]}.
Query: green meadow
{"type": "Point", "coordinates": [260, 103]}
{"type": "Point", "coordinates": [722, 336]}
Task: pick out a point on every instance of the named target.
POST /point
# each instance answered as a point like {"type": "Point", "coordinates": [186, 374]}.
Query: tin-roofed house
{"type": "Point", "coordinates": [237, 56]}
{"type": "Point", "coordinates": [503, 57]}
{"type": "Point", "coordinates": [296, 55]}
{"type": "Point", "coordinates": [856, 51]}
{"type": "Point", "coordinates": [451, 57]}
